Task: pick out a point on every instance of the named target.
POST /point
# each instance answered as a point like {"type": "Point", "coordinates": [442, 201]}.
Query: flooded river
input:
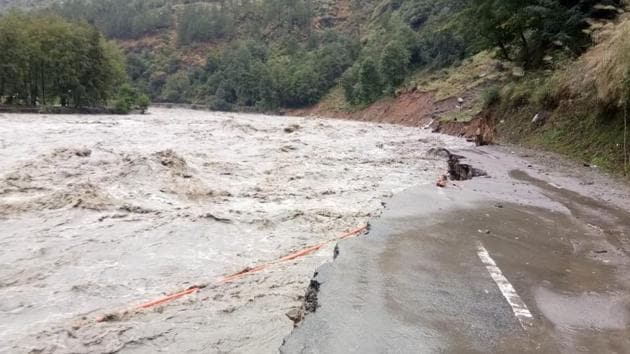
{"type": "Point", "coordinates": [99, 213]}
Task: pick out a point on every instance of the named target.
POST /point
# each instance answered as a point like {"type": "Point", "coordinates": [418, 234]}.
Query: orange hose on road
{"type": "Point", "coordinates": [247, 271]}
{"type": "Point", "coordinates": [168, 298]}
{"type": "Point", "coordinates": [353, 233]}
{"type": "Point", "coordinates": [242, 273]}
{"type": "Point", "coordinates": [301, 253]}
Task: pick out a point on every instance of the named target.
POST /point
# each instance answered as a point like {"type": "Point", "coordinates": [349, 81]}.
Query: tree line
{"type": "Point", "coordinates": [198, 21]}
{"type": "Point", "coordinates": [121, 19]}
{"type": "Point", "coordinates": [258, 75]}
{"type": "Point", "coordinates": [45, 60]}
{"type": "Point", "coordinates": [269, 55]}
{"type": "Point", "coordinates": [528, 31]}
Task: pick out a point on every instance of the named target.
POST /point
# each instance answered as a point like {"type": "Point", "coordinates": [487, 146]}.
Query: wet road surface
{"type": "Point", "coordinates": [507, 264]}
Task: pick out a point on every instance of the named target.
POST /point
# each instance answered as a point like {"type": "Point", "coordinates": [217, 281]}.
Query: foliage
{"type": "Point", "coordinates": [370, 82]}
{"type": "Point", "coordinates": [143, 102]}
{"type": "Point", "coordinates": [394, 64]}
{"type": "Point", "coordinates": [253, 74]}
{"type": "Point", "coordinates": [604, 70]}
{"type": "Point", "coordinates": [127, 98]}
{"type": "Point", "coordinates": [176, 88]}
{"type": "Point", "coordinates": [198, 23]}
{"type": "Point", "coordinates": [526, 31]}
{"type": "Point", "coordinates": [118, 18]}
{"type": "Point", "coordinates": [491, 96]}
{"type": "Point", "coordinates": [46, 60]}
{"type": "Point", "coordinates": [268, 54]}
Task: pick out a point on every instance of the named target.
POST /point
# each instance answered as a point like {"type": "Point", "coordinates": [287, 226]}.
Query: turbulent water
{"type": "Point", "coordinates": [100, 213]}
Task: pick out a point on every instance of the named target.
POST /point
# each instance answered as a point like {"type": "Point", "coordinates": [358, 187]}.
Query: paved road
{"type": "Point", "coordinates": [507, 264]}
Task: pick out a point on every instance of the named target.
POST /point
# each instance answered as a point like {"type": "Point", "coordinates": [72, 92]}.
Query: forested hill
{"type": "Point", "coordinates": [550, 73]}
{"type": "Point", "coordinates": [263, 54]}
{"type": "Point", "coordinates": [270, 54]}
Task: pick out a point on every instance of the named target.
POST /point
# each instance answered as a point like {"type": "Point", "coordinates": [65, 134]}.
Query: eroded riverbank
{"type": "Point", "coordinates": [98, 213]}
{"type": "Point", "coordinates": [533, 259]}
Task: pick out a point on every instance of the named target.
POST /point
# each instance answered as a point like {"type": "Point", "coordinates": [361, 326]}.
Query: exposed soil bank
{"type": "Point", "coordinates": [99, 213]}
{"type": "Point", "coordinates": [414, 109]}
{"type": "Point", "coordinates": [418, 109]}
{"type": "Point", "coordinates": [575, 128]}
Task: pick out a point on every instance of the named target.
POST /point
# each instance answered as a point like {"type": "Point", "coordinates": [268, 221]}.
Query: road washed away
{"type": "Point", "coordinates": [99, 214]}
{"type": "Point", "coordinates": [534, 258]}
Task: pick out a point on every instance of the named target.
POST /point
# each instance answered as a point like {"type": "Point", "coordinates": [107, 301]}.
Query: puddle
{"type": "Point", "coordinates": [584, 311]}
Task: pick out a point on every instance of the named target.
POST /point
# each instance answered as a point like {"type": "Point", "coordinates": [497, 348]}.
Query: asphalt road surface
{"type": "Point", "coordinates": [529, 260]}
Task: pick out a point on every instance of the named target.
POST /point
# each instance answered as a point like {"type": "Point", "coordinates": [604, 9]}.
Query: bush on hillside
{"type": "Point", "coordinates": [491, 96]}
{"type": "Point", "coordinates": [394, 65]}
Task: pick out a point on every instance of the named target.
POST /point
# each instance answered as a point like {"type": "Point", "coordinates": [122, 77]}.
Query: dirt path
{"type": "Point", "coordinates": [98, 213]}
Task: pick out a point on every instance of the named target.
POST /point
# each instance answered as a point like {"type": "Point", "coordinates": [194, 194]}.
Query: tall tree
{"type": "Point", "coordinates": [394, 64]}
{"type": "Point", "coordinates": [44, 59]}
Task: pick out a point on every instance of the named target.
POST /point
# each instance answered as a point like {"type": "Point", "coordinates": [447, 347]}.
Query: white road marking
{"type": "Point", "coordinates": [554, 185]}
{"type": "Point", "coordinates": [518, 305]}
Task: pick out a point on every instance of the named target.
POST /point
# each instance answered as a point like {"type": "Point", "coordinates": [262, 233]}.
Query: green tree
{"type": "Point", "coordinates": [394, 64]}
{"type": "Point", "coordinates": [198, 22]}
{"type": "Point", "coordinates": [176, 88]}
{"type": "Point", "coordinates": [143, 103]}
{"type": "Point", "coordinates": [526, 30]}
{"type": "Point", "coordinates": [47, 60]}
{"type": "Point", "coordinates": [370, 84]}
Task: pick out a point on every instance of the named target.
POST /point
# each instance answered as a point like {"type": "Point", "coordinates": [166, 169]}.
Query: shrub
{"type": "Point", "coordinates": [219, 104]}
{"type": "Point", "coordinates": [491, 96]}
{"type": "Point", "coordinates": [143, 103]}
{"type": "Point", "coordinates": [544, 95]}
{"type": "Point", "coordinates": [370, 83]}
{"type": "Point", "coordinates": [125, 99]}
{"type": "Point", "coordinates": [128, 98]}
{"type": "Point", "coordinates": [394, 64]}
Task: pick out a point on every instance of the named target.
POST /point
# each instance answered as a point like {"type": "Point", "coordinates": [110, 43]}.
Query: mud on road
{"type": "Point", "coordinates": [98, 213]}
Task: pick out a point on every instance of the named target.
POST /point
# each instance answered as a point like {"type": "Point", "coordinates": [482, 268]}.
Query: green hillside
{"type": "Point", "coordinates": [266, 54]}
{"type": "Point", "coordinates": [349, 55]}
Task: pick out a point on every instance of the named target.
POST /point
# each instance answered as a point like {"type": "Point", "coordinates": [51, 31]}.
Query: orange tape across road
{"type": "Point", "coordinates": [168, 298]}
{"type": "Point", "coordinates": [248, 271]}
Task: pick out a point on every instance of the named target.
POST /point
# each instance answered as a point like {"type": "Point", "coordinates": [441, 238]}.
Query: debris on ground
{"type": "Point", "coordinates": [457, 171]}
{"type": "Point", "coordinates": [169, 158]}
{"type": "Point", "coordinates": [84, 152]}
{"type": "Point", "coordinates": [461, 172]}
{"type": "Point", "coordinates": [296, 315]}
{"type": "Point", "coordinates": [292, 128]}
{"type": "Point", "coordinates": [310, 299]}
{"type": "Point", "coordinates": [216, 218]}
{"type": "Point", "coordinates": [442, 182]}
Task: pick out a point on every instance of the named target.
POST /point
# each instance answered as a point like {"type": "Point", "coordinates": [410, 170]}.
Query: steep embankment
{"type": "Point", "coordinates": [576, 107]}
{"type": "Point", "coordinates": [580, 109]}
{"type": "Point", "coordinates": [450, 100]}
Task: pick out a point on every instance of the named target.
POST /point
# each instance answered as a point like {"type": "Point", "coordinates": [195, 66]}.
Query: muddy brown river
{"type": "Point", "coordinates": [101, 213]}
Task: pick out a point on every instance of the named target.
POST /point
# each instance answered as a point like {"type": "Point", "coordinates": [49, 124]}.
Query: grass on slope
{"type": "Point", "coordinates": [584, 105]}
